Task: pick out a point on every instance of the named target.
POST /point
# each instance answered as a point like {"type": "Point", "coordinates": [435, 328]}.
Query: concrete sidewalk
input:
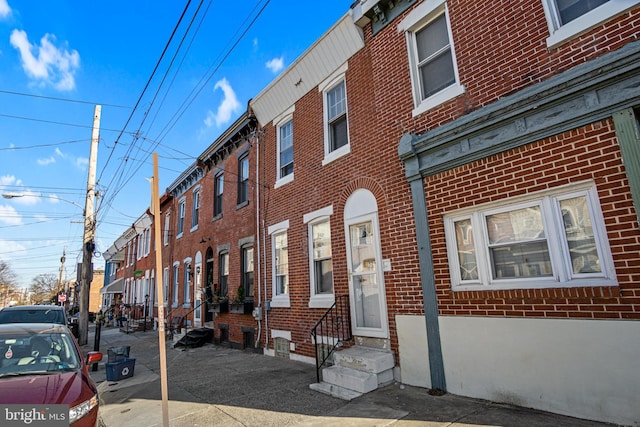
{"type": "Point", "coordinates": [217, 386]}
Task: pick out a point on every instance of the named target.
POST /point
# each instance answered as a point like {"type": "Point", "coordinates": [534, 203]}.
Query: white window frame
{"type": "Point", "coordinates": [548, 202]}
{"type": "Point", "coordinates": [280, 121]}
{"type": "Point", "coordinates": [331, 82]}
{"type": "Point", "coordinates": [195, 209]}
{"type": "Point", "coordinates": [419, 18]}
{"type": "Point", "coordinates": [281, 300]}
{"type": "Point", "coordinates": [167, 225]}
{"type": "Point", "coordinates": [186, 291]}
{"type": "Point", "coordinates": [176, 282]}
{"type": "Point", "coordinates": [182, 207]}
{"type": "Point", "coordinates": [147, 241]}
{"type": "Point", "coordinates": [317, 300]}
{"type": "Point", "coordinates": [562, 33]}
{"type": "Point", "coordinates": [165, 285]}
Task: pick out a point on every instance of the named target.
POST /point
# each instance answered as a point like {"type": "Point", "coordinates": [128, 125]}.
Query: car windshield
{"type": "Point", "coordinates": [29, 315]}
{"type": "Point", "coordinates": [24, 353]}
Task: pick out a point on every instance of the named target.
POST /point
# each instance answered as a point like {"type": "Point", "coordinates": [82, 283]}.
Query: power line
{"type": "Point", "coordinates": [77, 101]}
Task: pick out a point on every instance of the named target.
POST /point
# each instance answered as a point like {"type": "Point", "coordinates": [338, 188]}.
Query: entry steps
{"type": "Point", "coordinates": [357, 370]}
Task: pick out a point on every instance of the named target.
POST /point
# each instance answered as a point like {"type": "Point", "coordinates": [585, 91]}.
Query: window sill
{"type": "Point", "coordinates": [284, 180]}
{"type": "Point", "coordinates": [439, 98]}
{"type": "Point", "coordinates": [322, 301]}
{"type": "Point", "coordinates": [336, 154]}
{"type": "Point", "coordinates": [194, 228]}
{"type": "Point", "coordinates": [242, 204]}
{"type": "Point", "coordinates": [532, 284]}
{"type": "Point", "coordinates": [217, 217]}
{"type": "Point", "coordinates": [281, 301]}
{"type": "Point", "coordinates": [179, 236]}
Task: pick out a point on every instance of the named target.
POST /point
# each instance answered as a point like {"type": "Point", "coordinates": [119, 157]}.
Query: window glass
{"type": "Point", "coordinates": [217, 199]}
{"type": "Point", "coordinates": [435, 61]}
{"type": "Point", "coordinates": [247, 271]}
{"type": "Point", "coordinates": [243, 180]}
{"type": "Point", "coordinates": [466, 250]}
{"type": "Point", "coordinates": [322, 261]}
{"type": "Point", "coordinates": [181, 218]}
{"type": "Point", "coordinates": [224, 273]}
{"type": "Point", "coordinates": [581, 241]}
{"type": "Point", "coordinates": [568, 10]}
{"type": "Point", "coordinates": [337, 116]}
{"type": "Point", "coordinates": [286, 149]}
{"type": "Point", "coordinates": [281, 263]}
{"type": "Point", "coordinates": [517, 244]}
{"type": "Point", "coordinates": [196, 208]}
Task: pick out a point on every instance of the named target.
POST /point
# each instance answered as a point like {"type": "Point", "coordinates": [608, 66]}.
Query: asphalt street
{"type": "Point", "coordinates": [219, 386]}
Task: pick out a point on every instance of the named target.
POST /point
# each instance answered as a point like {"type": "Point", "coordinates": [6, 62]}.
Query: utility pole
{"type": "Point", "coordinates": [66, 286]}
{"type": "Point", "coordinates": [155, 208]}
{"type": "Point", "coordinates": [88, 245]}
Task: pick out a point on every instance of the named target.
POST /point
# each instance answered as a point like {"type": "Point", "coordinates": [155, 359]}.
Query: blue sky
{"type": "Point", "coordinates": [58, 59]}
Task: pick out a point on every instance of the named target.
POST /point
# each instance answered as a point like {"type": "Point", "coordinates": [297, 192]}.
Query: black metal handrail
{"type": "Point", "coordinates": [333, 328]}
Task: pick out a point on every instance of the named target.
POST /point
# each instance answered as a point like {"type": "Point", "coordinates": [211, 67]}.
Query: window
{"type": "Point", "coordinates": [181, 209]}
{"type": "Point", "coordinates": [281, 263]}
{"type": "Point", "coordinates": [243, 180]}
{"type": "Point", "coordinates": [321, 261]}
{"type": "Point", "coordinates": [553, 239]}
{"type": "Point", "coordinates": [285, 149]}
{"type": "Point", "coordinates": [165, 285]}
{"type": "Point", "coordinates": [176, 272]}
{"type": "Point", "coordinates": [217, 196]}
{"type": "Point", "coordinates": [434, 72]}
{"type": "Point", "coordinates": [336, 103]}
{"type": "Point", "coordinates": [569, 18]}
{"type": "Point", "coordinates": [188, 274]}
{"type": "Point", "coordinates": [223, 273]}
{"type": "Point", "coordinates": [320, 257]}
{"type": "Point", "coordinates": [147, 241]}
{"type": "Point", "coordinates": [247, 271]}
{"type": "Point", "coordinates": [195, 209]}
{"type": "Point", "coordinates": [167, 223]}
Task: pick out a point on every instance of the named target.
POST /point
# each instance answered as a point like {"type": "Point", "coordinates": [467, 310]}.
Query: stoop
{"type": "Point", "coordinates": [357, 370]}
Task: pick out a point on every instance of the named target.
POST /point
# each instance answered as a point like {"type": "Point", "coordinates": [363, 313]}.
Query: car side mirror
{"type": "Point", "coordinates": [93, 357]}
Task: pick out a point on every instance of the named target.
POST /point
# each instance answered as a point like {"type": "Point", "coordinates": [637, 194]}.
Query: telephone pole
{"type": "Point", "coordinates": [88, 246]}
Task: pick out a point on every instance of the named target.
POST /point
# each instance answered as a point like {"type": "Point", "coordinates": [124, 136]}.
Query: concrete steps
{"type": "Point", "coordinates": [357, 370]}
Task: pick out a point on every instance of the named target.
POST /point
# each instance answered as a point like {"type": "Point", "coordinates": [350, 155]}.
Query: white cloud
{"type": "Point", "coordinates": [275, 65]}
{"type": "Point", "coordinates": [50, 65]}
{"type": "Point", "coordinates": [47, 161]}
{"type": "Point", "coordinates": [9, 180]}
{"type": "Point", "coordinates": [10, 247]}
{"type": "Point", "coordinates": [82, 163]}
{"type": "Point", "coordinates": [9, 216]}
{"type": "Point", "coordinates": [227, 107]}
{"type": "Point", "coordinates": [5, 10]}
{"type": "Point", "coordinates": [59, 153]}
{"type": "Point", "coordinates": [255, 43]}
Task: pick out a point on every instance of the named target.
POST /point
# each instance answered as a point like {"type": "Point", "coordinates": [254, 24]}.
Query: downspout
{"type": "Point", "coordinates": [257, 204]}
{"type": "Point", "coordinates": [427, 275]}
{"type": "Point", "coordinates": [265, 310]}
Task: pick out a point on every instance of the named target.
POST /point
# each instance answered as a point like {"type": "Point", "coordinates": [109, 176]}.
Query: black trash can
{"type": "Point", "coordinates": [116, 354]}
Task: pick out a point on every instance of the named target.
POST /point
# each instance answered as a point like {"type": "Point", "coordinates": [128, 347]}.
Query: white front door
{"type": "Point", "coordinates": [364, 259]}
{"type": "Point", "coordinates": [197, 298]}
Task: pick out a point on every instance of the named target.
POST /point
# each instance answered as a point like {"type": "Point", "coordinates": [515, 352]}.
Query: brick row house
{"type": "Point", "coordinates": [454, 184]}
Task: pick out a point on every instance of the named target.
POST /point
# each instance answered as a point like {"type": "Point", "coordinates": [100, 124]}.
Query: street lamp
{"type": "Point", "coordinates": [16, 196]}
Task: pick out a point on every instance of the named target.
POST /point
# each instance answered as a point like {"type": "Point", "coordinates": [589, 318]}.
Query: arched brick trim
{"type": "Point", "coordinates": [366, 183]}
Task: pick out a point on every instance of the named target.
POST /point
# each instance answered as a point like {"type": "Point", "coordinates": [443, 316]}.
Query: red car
{"type": "Point", "coordinates": [42, 364]}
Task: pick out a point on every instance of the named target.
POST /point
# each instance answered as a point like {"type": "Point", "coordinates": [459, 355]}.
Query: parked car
{"type": "Point", "coordinates": [34, 314]}
{"type": "Point", "coordinates": [42, 364]}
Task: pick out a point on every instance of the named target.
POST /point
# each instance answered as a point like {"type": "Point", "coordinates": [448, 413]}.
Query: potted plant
{"type": "Point", "coordinates": [239, 305]}
{"type": "Point", "coordinates": [220, 302]}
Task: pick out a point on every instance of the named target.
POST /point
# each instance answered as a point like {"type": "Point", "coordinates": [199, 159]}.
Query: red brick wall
{"type": "Point", "coordinates": [500, 49]}
{"type": "Point", "coordinates": [588, 153]}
